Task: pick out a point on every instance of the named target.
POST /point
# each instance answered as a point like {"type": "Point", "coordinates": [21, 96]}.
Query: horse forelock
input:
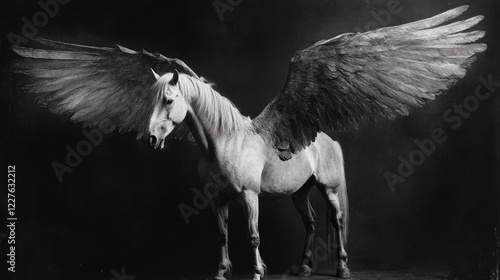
{"type": "Point", "coordinates": [162, 84]}
{"type": "Point", "coordinates": [160, 87]}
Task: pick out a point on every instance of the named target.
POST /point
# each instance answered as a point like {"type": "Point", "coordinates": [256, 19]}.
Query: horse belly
{"type": "Point", "coordinates": [286, 177]}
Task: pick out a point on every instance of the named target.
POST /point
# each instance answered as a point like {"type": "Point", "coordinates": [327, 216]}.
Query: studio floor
{"type": "Point", "coordinates": [356, 275]}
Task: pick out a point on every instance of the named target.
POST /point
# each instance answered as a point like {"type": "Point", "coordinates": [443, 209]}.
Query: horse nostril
{"type": "Point", "coordinates": [152, 140]}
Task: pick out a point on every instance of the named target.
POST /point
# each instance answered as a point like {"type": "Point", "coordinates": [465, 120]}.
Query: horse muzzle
{"type": "Point", "coordinates": [156, 142]}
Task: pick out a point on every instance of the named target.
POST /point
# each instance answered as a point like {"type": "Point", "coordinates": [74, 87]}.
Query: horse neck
{"type": "Point", "coordinates": [212, 118]}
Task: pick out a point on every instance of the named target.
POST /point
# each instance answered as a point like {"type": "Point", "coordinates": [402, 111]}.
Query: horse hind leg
{"type": "Point", "coordinates": [336, 198]}
{"type": "Point", "coordinates": [303, 206]}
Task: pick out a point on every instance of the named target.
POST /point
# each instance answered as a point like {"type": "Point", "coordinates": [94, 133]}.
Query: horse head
{"type": "Point", "coordinates": [170, 108]}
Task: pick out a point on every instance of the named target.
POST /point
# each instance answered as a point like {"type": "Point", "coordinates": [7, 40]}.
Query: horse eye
{"type": "Point", "coordinates": [167, 101]}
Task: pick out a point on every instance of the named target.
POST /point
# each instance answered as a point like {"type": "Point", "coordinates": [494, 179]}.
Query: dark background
{"type": "Point", "coordinates": [119, 207]}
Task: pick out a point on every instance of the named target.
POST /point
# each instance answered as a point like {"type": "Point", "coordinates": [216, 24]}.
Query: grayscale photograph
{"type": "Point", "coordinates": [250, 139]}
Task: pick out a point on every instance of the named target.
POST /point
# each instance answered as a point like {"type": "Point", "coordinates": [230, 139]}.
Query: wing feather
{"type": "Point", "coordinates": [106, 87]}
{"type": "Point", "coordinates": [337, 82]}
{"type": "Point", "coordinates": [424, 23]}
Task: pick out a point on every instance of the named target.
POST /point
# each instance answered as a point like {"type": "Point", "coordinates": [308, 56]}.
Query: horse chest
{"type": "Point", "coordinates": [241, 160]}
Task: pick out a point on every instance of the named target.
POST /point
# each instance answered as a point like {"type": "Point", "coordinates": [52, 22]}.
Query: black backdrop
{"type": "Point", "coordinates": [119, 208]}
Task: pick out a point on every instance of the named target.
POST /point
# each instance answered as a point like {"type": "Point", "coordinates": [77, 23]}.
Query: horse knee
{"type": "Point", "coordinates": [254, 240]}
{"type": "Point", "coordinates": [310, 225]}
{"type": "Point", "coordinates": [222, 239]}
{"type": "Point", "coordinates": [340, 217]}
{"type": "Point", "coordinates": [225, 265]}
{"type": "Point", "coordinates": [338, 221]}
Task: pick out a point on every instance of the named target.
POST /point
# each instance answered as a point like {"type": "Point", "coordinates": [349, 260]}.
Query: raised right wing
{"type": "Point", "coordinates": [336, 82]}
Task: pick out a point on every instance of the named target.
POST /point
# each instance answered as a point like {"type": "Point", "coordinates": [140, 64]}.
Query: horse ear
{"type": "Point", "coordinates": [155, 74]}
{"type": "Point", "coordinates": [175, 78]}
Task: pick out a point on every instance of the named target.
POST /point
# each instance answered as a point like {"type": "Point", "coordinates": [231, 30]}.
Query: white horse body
{"type": "Point", "coordinates": [259, 168]}
{"type": "Point", "coordinates": [233, 149]}
{"type": "Point", "coordinates": [256, 166]}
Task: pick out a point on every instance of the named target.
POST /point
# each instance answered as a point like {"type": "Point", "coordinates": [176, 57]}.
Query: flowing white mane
{"type": "Point", "coordinates": [216, 111]}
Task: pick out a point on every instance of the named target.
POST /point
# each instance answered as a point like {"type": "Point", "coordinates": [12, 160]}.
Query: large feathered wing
{"type": "Point", "coordinates": [387, 71]}
{"type": "Point", "coordinates": [103, 87]}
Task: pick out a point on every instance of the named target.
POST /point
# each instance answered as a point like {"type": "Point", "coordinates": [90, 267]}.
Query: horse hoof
{"type": "Point", "coordinates": [343, 273]}
{"type": "Point", "coordinates": [304, 271]}
{"type": "Point", "coordinates": [220, 278]}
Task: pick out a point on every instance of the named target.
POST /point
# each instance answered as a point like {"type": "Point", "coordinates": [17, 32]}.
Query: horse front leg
{"type": "Point", "coordinates": [222, 214]}
{"type": "Point", "coordinates": [251, 208]}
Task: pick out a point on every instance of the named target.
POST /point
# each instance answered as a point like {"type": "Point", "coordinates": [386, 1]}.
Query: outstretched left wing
{"type": "Point", "coordinates": [103, 87]}
{"type": "Point", "coordinates": [339, 81]}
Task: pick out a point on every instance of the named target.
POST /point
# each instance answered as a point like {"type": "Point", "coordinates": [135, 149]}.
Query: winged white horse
{"type": "Point", "coordinates": [331, 84]}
